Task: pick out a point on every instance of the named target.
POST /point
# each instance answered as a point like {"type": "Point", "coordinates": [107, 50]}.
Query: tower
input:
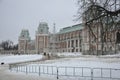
{"type": "Point", "coordinates": [24, 38]}
{"type": "Point", "coordinates": [41, 41]}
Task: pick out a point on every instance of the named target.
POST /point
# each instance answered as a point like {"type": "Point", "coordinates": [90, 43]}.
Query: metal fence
{"type": "Point", "coordinates": [87, 72]}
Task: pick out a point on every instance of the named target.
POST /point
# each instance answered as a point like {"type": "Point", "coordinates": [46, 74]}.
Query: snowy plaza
{"type": "Point", "coordinates": [71, 67]}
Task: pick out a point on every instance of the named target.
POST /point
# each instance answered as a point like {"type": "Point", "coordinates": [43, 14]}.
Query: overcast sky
{"type": "Point", "coordinates": [16, 15]}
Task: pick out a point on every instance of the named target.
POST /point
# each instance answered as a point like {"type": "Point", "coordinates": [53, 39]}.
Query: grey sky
{"type": "Point", "coordinates": [16, 15]}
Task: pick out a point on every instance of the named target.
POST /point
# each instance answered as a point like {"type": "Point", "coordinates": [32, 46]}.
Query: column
{"type": "Point", "coordinates": [67, 45]}
{"type": "Point", "coordinates": [74, 45]}
{"type": "Point", "coordinates": [78, 45]}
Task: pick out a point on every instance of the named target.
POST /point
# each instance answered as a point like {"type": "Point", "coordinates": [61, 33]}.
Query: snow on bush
{"type": "Point", "coordinates": [18, 58]}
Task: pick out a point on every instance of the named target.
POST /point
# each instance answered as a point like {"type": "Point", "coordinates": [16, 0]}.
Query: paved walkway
{"type": "Point", "coordinates": [5, 74]}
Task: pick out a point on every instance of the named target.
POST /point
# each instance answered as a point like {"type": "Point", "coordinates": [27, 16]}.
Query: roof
{"type": "Point", "coordinates": [24, 34]}
{"type": "Point", "coordinates": [43, 28]}
{"type": "Point", "coordinates": [71, 28]}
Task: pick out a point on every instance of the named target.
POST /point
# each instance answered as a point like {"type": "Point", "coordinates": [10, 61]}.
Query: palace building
{"type": "Point", "coordinates": [68, 39]}
{"type": "Point", "coordinates": [75, 38]}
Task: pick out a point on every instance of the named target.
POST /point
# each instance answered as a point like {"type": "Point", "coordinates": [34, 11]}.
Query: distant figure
{"type": "Point", "coordinates": [44, 54]}
{"type": "Point", "coordinates": [48, 55]}
{"type": "Point", "coordinates": [2, 63]}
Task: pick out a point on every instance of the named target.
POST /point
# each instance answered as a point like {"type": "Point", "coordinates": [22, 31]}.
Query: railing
{"type": "Point", "coordinates": [87, 72]}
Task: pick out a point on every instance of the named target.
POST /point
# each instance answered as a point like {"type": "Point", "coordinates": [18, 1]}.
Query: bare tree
{"type": "Point", "coordinates": [103, 13]}
{"type": "Point", "coordinates": [8, 45]}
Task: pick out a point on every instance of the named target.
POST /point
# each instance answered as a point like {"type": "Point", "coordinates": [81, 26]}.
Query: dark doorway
{"type": "Point", "coordinates": [118, 37]}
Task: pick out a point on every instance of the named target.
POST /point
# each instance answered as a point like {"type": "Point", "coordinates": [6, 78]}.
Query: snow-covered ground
{"type": "Point", "coordinates": [111, 56]}
{"type": "Point", "coordinates": [73, 67]}
{"type": "Point", "coordinates": [84, 62]}
{"type": "Point", "coordinates": [68, 54]}
{"type": "Point", "coordinates": [78, 54]}
{"type": "Point", "coordinates": [23, 58]}
{"type": "Point", "coordinates": [110, 65]}
{"type": "Point", "coordinates": [18, 58]}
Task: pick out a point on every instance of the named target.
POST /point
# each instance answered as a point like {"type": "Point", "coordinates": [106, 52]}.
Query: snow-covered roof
{"type": "Point", "coordinates": [71, 28]}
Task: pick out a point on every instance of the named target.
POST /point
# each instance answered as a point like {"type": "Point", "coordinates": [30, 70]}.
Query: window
{"type": "Point", "coordinates": [71, 35]}
{"type": "Point", "coordinates": [80, 43]}
{"type": "Point", "coordinates": [72, 43]}
{"type": "Point", "coordinates": [80, 50]}
{"type": "Point", "coordinates": [41, 30]}
{"type": "Point", "coordinates": [68, 44]}
{"type": "Point", "coordinates": [76, 50]}
{"type": "Point", "coordinates": [76, 43]}
{"type": "Point", "coordinates": [22, 35]}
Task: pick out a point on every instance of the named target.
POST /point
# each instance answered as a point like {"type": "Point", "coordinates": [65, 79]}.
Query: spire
{"type": "Point", "coordinates": [54, 38]}
{"type": "Point", "coordinates": [54, 29]}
